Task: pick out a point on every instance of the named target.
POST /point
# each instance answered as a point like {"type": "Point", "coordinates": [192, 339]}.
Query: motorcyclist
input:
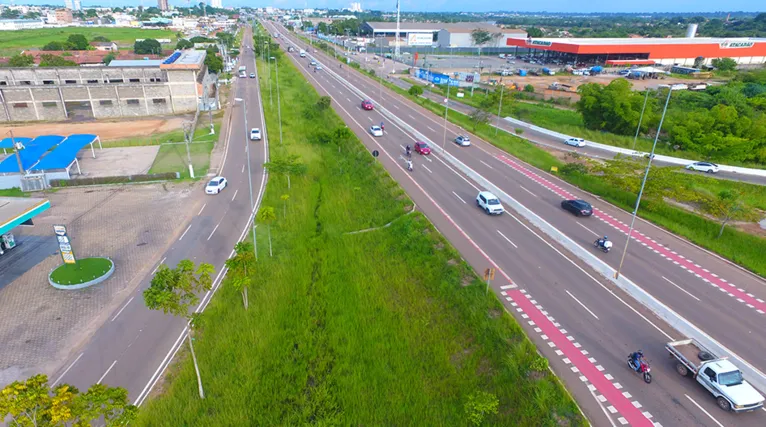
{"type": "Point", "coordinates": [381, 126]}
{"type": "Point", "coordinates": [603, 241]}
{"type": "Point", "coordinates": [408, 150]}
{"type": "Point", "coordinates": [637, 358]}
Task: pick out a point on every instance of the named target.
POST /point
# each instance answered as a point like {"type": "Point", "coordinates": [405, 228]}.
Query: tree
{"type": "Point", "coordinates": [109, 58]}
{"type": "Point", "coordinates": [286, 166]}
{"type": "Point", "coordinates": [480, 37]}
{"type": "Point", "coordinates": [724, 64]}
{"type": "Point", "coordinates": [614, 108]}
{"type": "Point", "coordinates": [91, 13]}
{"type": "Point", "coordinates": [479, 405]}
{"type": "Point", "coordinates": [478, 117]}
{"type": "Point", "coordinates": [57, 46]}
{"type": "Point", "coordinates": [699, 61]}
{"type": "Point", "coordinates": [266, 215]}
{"type": "Point", "coordinates": [284, 198]}
{"type": "Point", "coordinates": [184, 44]}
{"type": "Point", "coordinates": [529, 88]}
{"type": "Point", "coordinates": [534, 32]}
{"type": "Point", "coordinates": [21, 60]}
{"type": "Point", "coordinates": [726, 205]}
{"type": "Point", "coordinates": [227, 39]}
{"type": "Point", "coordinates": [33, 403]}
{"type": "Point", "coordinates": [241, 268]}
{"type": "Point", "coordinates": [214, 63]}
{"type": "Point", "coordinates": [324, 102]}
{"type": "Point", "coordinates": [175, 290]}
{"type": "Point", "coordinates": [100, 39]}
{"type": "Point", "coordinates": [49, 60]}
{"type": "Point", "coordinates": [415, 90]}
{"type": "Point", "coordinates": [147, 46]}
{"type": "Point", "coordinates": [78, 42]}
{"type": "Point", "coordinates": [10, 14]}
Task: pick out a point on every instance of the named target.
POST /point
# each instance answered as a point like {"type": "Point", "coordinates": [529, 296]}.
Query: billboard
{"type": "Point", "coordinates": [436, 78]}
{"type": "Point", "coordinates": [420, 39]}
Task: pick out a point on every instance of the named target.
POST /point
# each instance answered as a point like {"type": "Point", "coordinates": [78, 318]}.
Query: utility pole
{"type": "Point", "coordinates": [279, 104]}
{"type": "Point", "coordinates": [499, 108]}
{"type": "Point", "coordinates": [268, 53]}
{"type": "Point", "coordinates": [396, 47]}
{"type": "Point", "coordinates": [446, 108]}
{"type": "Point", "coordinates": [188, 126]}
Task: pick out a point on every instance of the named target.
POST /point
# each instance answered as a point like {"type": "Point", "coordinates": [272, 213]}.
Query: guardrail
{"type": "Point", "coordinates": [685, 327]}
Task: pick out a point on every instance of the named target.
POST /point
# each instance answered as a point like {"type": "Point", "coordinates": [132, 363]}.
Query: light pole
{"type": "Point", "coordinates": [188, 126]}
{"type": "Point", "coordinates": [446, 108]}
{"type": "Point", "coordinates": [249, 175]}
{"type": "Point", "coordinates": [499, 108]}
{"type": "Point", "coordinates": [279, 104]}
{"type": "Point", "coordinates": [268, 53]}
{"type": "Point", "coordinates": [643, 184]}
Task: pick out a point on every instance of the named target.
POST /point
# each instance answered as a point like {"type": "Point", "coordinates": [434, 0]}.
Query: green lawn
{"type": "Point", "coordinates": [388, 327]}
{"type": "Point", "coordinates": [13, 192]}
{"type": "Point", "coordinates": [84, 270]}
{"type": "Point", "coordinates": [12, 42]}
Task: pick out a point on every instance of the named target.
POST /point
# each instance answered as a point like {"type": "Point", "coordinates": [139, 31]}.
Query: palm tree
{"type": "Point", "coordinates": [284, 198]}
{"type": "Point", "coordinates": [266, 215]}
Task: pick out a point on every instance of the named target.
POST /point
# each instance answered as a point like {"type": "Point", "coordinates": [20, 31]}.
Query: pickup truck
{"type": "Point", "coordinates": [718, 375]}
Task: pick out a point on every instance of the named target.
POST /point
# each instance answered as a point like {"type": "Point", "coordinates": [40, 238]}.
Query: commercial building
{"type": "Point", "coordinates": [138, 88]}
{"type": "Point", "coordinates": [629, 51]}
{"type": "Point", "coordinates": [457, 35]}
{"type": "Point", "coordinates": [162, 5]}
{"type": "Point", "coordinates": [216, 3]}
{"type": "Point", "coordinates": [20, 24]}
{"type": "Point", "coordinates": [63, 16]}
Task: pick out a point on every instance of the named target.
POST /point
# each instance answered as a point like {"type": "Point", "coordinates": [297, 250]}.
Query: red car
{"type": "Point", "coordinates": [366, 105]}
{"type": "Point", "coordinates": [422, 148]}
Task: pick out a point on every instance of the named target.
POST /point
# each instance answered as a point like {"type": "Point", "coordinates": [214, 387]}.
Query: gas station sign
{"type": "Point", "coordinates": [65, 246]}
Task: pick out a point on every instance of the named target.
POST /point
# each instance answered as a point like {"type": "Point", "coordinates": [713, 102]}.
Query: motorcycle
{"type": "Point", "coordinates": [604, 246]}
{"type": "Point", "coordinates": [409, 166]}
{"type": "Point", "coordinates": [642, 369]}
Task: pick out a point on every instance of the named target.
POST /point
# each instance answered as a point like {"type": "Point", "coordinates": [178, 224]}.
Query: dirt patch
{"type": "Point", "coordinates": [105, 129]}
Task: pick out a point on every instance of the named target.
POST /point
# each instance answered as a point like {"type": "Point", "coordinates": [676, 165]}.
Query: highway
{"type": "Point", "coordinates": [580, 322]}
{"type": "Point", "coordinates": [135, 345]}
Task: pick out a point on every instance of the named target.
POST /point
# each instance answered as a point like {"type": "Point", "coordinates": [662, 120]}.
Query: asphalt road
{"type": "Point", "coordinates": [587, 310]}
{"type": "Point", "coordinates": [134, 346]}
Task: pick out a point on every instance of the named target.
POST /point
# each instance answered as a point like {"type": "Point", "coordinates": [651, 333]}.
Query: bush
{"type": "Point", "coordinates": [518, 131]}
{"type": "Point", "coordinates": [114, 179]}
{"type": "Point", "coordinates": [529, 88]}
{"type": "Point", "coordinates": [574, 169]}
{"type": "Point", "coordinates": [415, 90]}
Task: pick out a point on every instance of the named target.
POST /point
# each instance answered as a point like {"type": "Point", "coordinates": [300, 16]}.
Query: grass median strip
{"type": "Point", "coordinates": [387, 327]}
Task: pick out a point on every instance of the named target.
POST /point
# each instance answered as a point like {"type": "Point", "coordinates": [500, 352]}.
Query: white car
{"type": "Point", "coordinates": [489, 203]}
{"type": "Point", "coordinates": [313, 62]}
{"type": "Point", "coordinates": [463, 141]}
{"type": "Point", "coordinates": [255, 134]}
{"type": "Point", "coordinates": [216, 185]}
{"type": "Point", "coordinates": [703, 167]}
{"type": "Point", "coordinates": [376, 130]}
{"type": "Point", "coordinates": [575, 142]}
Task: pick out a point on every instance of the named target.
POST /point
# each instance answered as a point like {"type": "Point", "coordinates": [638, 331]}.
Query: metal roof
{"type": "Point", "coordinates": [64, 154]}
{"type": "Point", "coordinates": [18, 210]}
{"type": "Point", "coordinates": [437, 26]}
{"type": "Point", "coordinates": [645, 41]}
{"type": "Point", "coordinates": [8, 142]}
{"type": "Point", "coordinates": [31, 153]}
{"type": "Point", "coordinates": [135, 63]}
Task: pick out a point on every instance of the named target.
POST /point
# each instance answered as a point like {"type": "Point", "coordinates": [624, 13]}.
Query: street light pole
{"type": "Point", "coordinates": [279, 104]}
{"type": "Point", "coordinates": [249, 175]}
{"type": "Point", "coordinates": [643, 184]}
{"type": "Point", "coordinates": [188, 126]}
{"type": "Point", "coordinates": [499, 108]}
{"type": "Point", "coordinates": [446, 108]}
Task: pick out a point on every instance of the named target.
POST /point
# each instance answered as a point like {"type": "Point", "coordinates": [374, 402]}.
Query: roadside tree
{"type": "Point", "coordinates": [266, 215]}
{"type": "Point", "coordinates": [241, 267]}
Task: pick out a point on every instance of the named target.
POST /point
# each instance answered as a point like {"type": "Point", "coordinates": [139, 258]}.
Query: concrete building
{"type": "Point", "coordinates": [20, 24]}
{"type": "Point", "coordinates": [163, 5]}
{"type": "Point", "coordinates": [68, 4]}
{"type": "Point", "coordinates": [105, 46]}
{"type": "Point", "coordinates": [76, 5]}
{"type": "Point", "coordinates": [461, 36]}
{"type": "Point", "coordinates": [138, 88]}
{"type": "Point", "coordinates": [64, 16]}
{"type": "Point", "coordinates": [216, 3]}
{"type": "Point", "coordinates": [457, 35]}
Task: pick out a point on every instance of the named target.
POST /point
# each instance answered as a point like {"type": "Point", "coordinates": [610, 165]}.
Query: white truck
{"type": "Point", "coordinates": [303, 53]}
{"type": "Point", "coordinates": [242, 71]}
{"type": "Point", "coordinates": [718, 375]}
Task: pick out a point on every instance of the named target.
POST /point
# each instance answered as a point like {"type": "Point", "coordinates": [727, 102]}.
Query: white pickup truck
{"type": "Point", "coordinates": [718, 375]}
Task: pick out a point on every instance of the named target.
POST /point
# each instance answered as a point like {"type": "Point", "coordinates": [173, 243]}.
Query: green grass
{"type": "Point", "coordinates": [13, 192]}
{"type": "Point", "coordinates": [13, 42]}
{"type": "Point", "coordinates": [173, 158]}
{"type": "Point", "coordinates": [84, 270]}
{"type": "Point", "coordinates": [388, 327]}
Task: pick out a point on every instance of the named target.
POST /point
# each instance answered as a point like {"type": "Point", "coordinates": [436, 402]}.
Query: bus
{"type": "Point", "coordinates": [243, 71]}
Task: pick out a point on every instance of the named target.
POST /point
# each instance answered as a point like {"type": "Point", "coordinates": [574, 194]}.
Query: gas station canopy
{"type": "Point", "coordinates": [15, 211]}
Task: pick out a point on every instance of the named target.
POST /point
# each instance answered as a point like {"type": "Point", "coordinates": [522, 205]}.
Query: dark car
{"type": "Point", "coordinates": [367, 105]}
{"type": "Point", "coordinates": [578, 207]}
{"type": "Point", "coordinates": [422, 148]}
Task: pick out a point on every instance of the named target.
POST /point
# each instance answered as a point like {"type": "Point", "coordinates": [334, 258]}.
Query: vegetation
{"type": "Point", "coordinates": [33, 403]}
{"type": "Point", "coordinates": [147, 46]}
{"type": "Point", "coordinates": [379, 328]}
{"type": "Point", "coordinates": [13, 42]}
{"type": "Point", "coordinates": [84, 270]}
{"type": "Point", "coordinates": [21, 60]}
{"type": "Point", "coordinates": [49, 60]}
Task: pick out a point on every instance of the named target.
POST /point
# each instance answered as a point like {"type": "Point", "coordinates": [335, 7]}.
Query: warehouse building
{"type": "Point", "coordinates": [123, 89]}
{"type": "Point", "coordinates": [457, 35]}
{"type": "Point", "coordinates": [646, 51]}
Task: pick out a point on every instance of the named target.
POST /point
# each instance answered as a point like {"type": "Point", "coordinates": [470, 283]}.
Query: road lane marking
{"type": "Point", "coordinates": [107, 371]}
{"type": "Point", "coordinates": [703, 410]}
{"type": "Point", "coordinates": [533, 194]}
{"type": "Point", "coordinates": [507, 239]}
{"type": "Point", "coordinates": [243, 168]}
{"type": "Point", "coordinates": [593, 232]}
{"type": "Point", "coordinates": [458, 197]}
{"type": "Point", "coordinates": [583, 305]}
{"type": "Point", "coordinates": [456, 173]}
{"type": "Point", "coordinates": [410, 115]}
{"type": "Point", "coordinates": [211, 233]}
{"type": "Point", "coordinates": [682, 289]}
{"type": "Point", "coordinates": [395, 106]}
{"type": "Point", "coordinates": [123, 308]}
{"type": "Point", "coordinates": [426, 168]}
{"type": "Point", "coordinates": [200, 210]}
{"type": "Point", "coordinates": [347, 99]}
{"type": "Point", "coordinates": [66, 370]}
{"type": "Point", "coordinates": [431, 129]}
{"type": "Point", "coordinates": [187, 230]}
{"type": "Point", "coordinates": [482, 162]}
{"type": "Point", "coordinates": [235, 195]}
{"type": "Point", "coordinates": [158, 265]}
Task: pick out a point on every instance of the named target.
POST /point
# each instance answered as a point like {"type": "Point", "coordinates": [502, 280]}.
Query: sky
{"type": "Point", "coordinates": [564, 6]}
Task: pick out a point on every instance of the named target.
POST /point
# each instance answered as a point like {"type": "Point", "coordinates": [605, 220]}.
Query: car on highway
{"type": "Point", "coordinates": [216, 185]}
{"type": "Point", "coordinates": [703, 167]}
{"type": "Point", "coordinates": [313, 62]}
{"type": "Point", "coordinates": [575, 142]}
{"type": "Point", "coordinates": [367, 105]}
{"type": "Point", "coordinates": [255, 134]}
{"type": "Point", "coordinates": [422, 148]}
{"type": "Point", "coordinates": [252, 75]}
{"type": "Point", "coordinates": [318, 68]}
{"type": "Point", "coordinates": [376, 130]}
{"type": "Point", "coordinates": [489, 203]}
{"type": "Point", "coordinates": [463, 141]}
{"type": "Point", "coordinates": [577, 207]}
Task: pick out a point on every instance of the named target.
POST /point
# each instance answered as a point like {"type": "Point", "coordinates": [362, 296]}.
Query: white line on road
{"type": "Point", "coordinates": [682, 289]}
{"type": "Point", "coordinates": [211, 233]}
{"type": "Point", "coordinates": [200, 210]}
{"type": "Point", "coordinates": [459, 198]}
{"type": "Point", "coordinates": [430, 128]}
{"type": "Point", "coordinates": [395, 106]}
{"type": "Point", "coordinates": [235, 195]}
{"type": "Point", "coordinates": [583, 305]}
{"type": "Point", "coordinates": [123, 308]}
{"type": "Point", "coordinates": [482, 162]}
{"type": "Point", "coordinates": [507, 239]}
{"type": "Point", "coordinates": [704, 411]}
{"type": "Point", "coordinates": [429, 170]}
{"type": "Point", "coordinates": [187, 230]}
{"type": "Point", "coordinates": [66, 370]}
{"type": "Point", "coordinates": [533, 194]}
{"type": "Point", "coordinates": [347, 99]}
{"type": "Point", "coordinates": [594, 233]}
{"type": "Point", "coordinates": [243, 168]}
{"type": "Point", "coordinates": [411, 117]}
{"type": "Point", "coordinates": [107, 371]}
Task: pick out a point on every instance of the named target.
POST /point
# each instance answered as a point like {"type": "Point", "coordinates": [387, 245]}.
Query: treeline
{"type": "Point", "coordinates": [722, 123]}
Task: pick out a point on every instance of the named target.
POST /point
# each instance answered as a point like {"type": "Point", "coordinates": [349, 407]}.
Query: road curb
{"type": "Point", "coordinates": [95, 281]}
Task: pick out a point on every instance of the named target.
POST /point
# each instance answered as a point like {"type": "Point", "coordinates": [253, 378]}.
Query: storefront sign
{"type": "Point", "coordinates": [735, 45]}
{"type": "Point", "coordinates": [539, 42]}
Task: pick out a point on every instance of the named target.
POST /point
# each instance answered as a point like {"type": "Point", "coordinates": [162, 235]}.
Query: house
{"type": "Point", "coordinates": [105, 46]}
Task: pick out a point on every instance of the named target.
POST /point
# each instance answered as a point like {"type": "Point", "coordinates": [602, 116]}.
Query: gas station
{"type": "Point", "coordinates": [14, 212]}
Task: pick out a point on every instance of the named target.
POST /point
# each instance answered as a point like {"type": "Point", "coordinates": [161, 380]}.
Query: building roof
{"type": "Point", "coordinates": [106, 44]}
{"type": "Point", "coordinates": [136, 63]}
{"type": "Point", "coordinates": [647, 40]}
{"type": "Point", "coordinates": [185, 60]}
{"type": "Point", "coordinates": [31, 153]}
{"type": "Point", "coordinates": [64, 154]}
{"type": "Point", "coordinates": [18, 210]}
{"type": "Point", "coordinates": [458, 27]}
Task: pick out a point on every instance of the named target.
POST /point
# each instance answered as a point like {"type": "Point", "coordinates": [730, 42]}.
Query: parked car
{"type": "Point", "coordinates": [575, 142]}
{"type": "Point", "coordinates": [489, 203]}
{"type": "Point", "coordinates": [577, 207]}
{"type": "Point", "coordinates": [376, 130]}
{"type": "Point", "coordinates": [216, 185]}
{"type": "Point", "coordinates": [255, 134]}
{"type": "Point", "coordinates": [463, 141]}
{"type": "Point", "coordinates": [703, 167]}
{"type": "Point", "coordinates": [367, 105]}
{"type": "Point", "coordinates": [422, 148]}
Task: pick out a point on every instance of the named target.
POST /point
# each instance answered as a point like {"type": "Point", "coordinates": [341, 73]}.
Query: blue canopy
{"type": "Point", "coordinates": [8, 142]}
{"type": "Point", "coordinates": [31, 153]}
{"type": "Point", "coordinates": [65, 153]}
